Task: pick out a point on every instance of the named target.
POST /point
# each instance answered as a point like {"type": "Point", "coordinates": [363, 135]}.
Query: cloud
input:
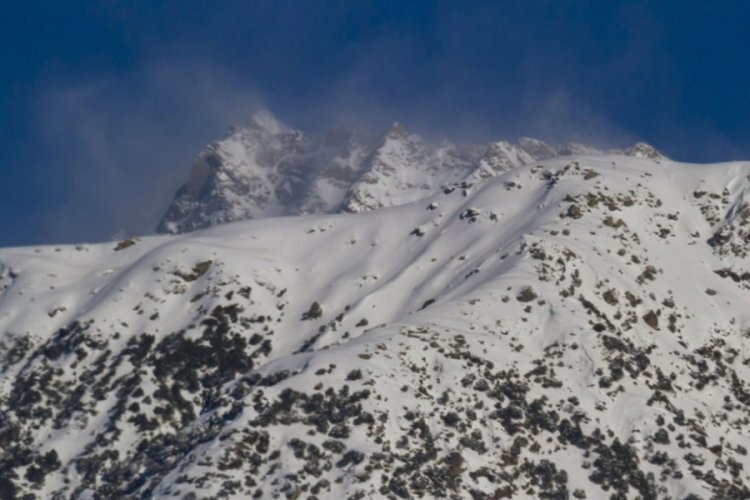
{"type": "Point", "coordinates": [561, 117]}
{"type": "Point", "coordinates": [118, 146]}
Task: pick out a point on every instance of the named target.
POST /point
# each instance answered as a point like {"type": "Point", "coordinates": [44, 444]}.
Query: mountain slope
{"type": "Point", "coordinates": [269, 169]}
{"type": "Point", "coordinates": [576, 327]}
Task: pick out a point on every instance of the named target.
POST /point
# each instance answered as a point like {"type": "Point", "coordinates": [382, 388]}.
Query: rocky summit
{"type": "Point", "coordinates": [267, 168]}
{"type": "Point", "coordinates": [569, 327]}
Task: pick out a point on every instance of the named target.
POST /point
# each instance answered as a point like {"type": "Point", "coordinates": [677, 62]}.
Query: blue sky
{"type": "Point", "coordinates": [103, 104]}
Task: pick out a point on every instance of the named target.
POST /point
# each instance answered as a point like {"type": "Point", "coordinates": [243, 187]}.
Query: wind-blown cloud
{"type": "Point", "coordinates": [120, 146]}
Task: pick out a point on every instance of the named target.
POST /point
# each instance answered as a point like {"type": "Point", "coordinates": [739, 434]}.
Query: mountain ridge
{"type": "Point", "coordinates": [268, 169]}
{"type": "Point", "coordinates": [533, 334]}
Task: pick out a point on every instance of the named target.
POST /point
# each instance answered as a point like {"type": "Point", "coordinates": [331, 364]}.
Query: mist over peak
{"type": "Point", "coordinates": [103, 105]}
{"type": "Point", "coordinates": [265, 121]}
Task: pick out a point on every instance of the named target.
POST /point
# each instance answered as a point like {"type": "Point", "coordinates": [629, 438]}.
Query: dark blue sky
{"type": "Point", "coordinates": [103, 104]}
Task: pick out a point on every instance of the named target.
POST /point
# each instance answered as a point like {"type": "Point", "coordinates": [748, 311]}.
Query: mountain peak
{"type": "Point", "coordinates": [536, 148]}
{"type": "Point", "coordinates": [644, 150]}
{"type": "Point", "coordinates": [397, 131]}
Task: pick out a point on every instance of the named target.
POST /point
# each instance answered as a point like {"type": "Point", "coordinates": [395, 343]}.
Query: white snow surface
{"type": "Point", "coordinates": [577, 326]}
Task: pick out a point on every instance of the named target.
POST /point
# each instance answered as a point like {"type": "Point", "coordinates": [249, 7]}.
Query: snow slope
{"type": "Point", "coordinates": [573, 328]}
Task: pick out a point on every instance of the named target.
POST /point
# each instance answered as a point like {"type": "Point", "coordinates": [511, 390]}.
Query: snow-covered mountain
{"type": "Point", "coordinates": [574, 327]}
{"type": "Point", "coordinates": [269, 169]}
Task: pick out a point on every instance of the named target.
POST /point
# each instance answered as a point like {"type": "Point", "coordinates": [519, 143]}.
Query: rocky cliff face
{"type": "Point", "coordinates": [268, 169]}
{"type": "Point", "coordinates": [572, 328]}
